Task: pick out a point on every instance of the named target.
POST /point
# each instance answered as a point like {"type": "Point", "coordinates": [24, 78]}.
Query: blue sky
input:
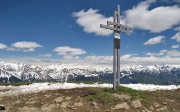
{"type": "Point", "coordinates": [67, 31]}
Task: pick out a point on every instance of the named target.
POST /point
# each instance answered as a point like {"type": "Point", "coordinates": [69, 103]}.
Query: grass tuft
{"type": "Point", "coordinates": [104, 95]}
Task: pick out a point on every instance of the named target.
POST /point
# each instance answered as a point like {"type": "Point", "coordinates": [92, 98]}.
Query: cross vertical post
{"type": "Point", "coordinates": [117, 28]}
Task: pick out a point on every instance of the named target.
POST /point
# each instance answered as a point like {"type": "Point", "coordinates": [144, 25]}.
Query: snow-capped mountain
{"type": "Point", "coordinates": [69, 72]}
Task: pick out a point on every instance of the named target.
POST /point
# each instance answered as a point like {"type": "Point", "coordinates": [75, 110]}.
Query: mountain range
{"type": "Point", "coordinates": [12, 72]}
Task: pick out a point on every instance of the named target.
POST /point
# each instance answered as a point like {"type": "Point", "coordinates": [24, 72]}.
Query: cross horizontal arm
{"type": "Point", "coordinates": [109, 27]}
{"type": "Point", "coordinates": [120, 27]}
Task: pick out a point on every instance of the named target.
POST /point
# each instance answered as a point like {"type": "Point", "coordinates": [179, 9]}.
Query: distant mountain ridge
{"type": "Point", "coordinates": [11, 72]}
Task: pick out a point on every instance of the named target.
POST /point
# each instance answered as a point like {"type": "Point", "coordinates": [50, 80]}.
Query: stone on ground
{"type": "Point", "coordinates": [48, 107]}
{"type": "Point", "coordinates": [2, 107]}
{"type": "Point", "coordinates": [59, 99]}
{"type": "Point", "coordinates": [95, 105]}
{"type": "Point", "coordinates": [121, 106]}
{"type": "Point", "coordinates": [28, 109]}
{"type": "Point", "coordinates": [136, 104]}
{"type": "Point", "coordinates": [122, 96]}
{"type": "Point", "coordinates": [163, 109]}
{"type": "Point", "coordinates": [64, 104]}
{"type": "Point", "coordinates": [78, 104]}
{"type": "Point", "coordinates": [68, 98]}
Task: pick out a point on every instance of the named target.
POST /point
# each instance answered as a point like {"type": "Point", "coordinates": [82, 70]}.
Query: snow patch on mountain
{"type": "Point", "coordinates": [63, 72]}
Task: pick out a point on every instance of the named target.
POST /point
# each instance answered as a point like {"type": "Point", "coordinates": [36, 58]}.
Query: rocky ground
{"type": "Point", "coordinates": [85, 100]}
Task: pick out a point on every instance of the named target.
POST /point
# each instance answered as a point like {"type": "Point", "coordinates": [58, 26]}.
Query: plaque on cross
{"type": "Point", "coordinates": [117, 28]}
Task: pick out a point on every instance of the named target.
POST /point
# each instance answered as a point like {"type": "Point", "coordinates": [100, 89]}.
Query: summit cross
{"type": "Point", "coordinates": [117, 28]}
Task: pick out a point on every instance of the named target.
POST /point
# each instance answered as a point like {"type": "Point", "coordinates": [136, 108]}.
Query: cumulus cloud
{"type": "Point", "coordinates": [24, 46]}
{"type": "Point", "coordinates": [156, 20]}
{"type": "Point", "coordinates": [154, 40]}
{"type": "Point", "coordinates": [176, 37]}
{"type": "Point", "coordinates": [3, 46]}
{"type": "Point", "coordinates": [90, 21]}
{"type": "Point", "coordinates": [175, 46]}
{"type": "Point", "coordinates": [69, 52]}
{"type": "Point", "coordinates": [141, 17]}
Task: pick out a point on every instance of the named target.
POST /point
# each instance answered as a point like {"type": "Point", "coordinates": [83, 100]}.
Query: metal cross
{"type": "Point", "coordinates": [117, 28]}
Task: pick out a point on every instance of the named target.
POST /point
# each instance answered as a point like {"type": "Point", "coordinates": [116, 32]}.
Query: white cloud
{"type": "Point", "coordinates": [165, 53]}
{"type": "Point", "coordinates": [156, 20]}
{"type": "Point", "coordinates": [154, 40]}
{"type": "Point", "coordinates": [176, 37]}
{"type": "Point", "coordinates": [161, 53]}
{"type": "Point", "coordinates": [175, 46]}
{"type": "Point", "coordinates": [24, 46]}
{"type": "Point", "coordinates": [90, 21]}
{"type": "Point", "coordinates": [46, 55]}
{"type": "Point", "coordinates": [99, 59]}
{"type": "Point", "coordinates": [173, 53]}
{"type": "Point", "coordinates": [131, 60]}
{"type": "Point", "coordinates": [169, 57]}
{"type": "Point", "coordinates": [69, 52]}
{"type": "Point", "coordinates": [3, 46]}
{"type": "Point", "coordinates": [141, 17]}
{"type": "Point", "coordinates": [177, 28]}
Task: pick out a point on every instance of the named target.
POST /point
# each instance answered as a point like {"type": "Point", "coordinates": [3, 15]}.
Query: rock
{"type": "Point", "coordinates": [29, 109]}
{"type": "Point", "coordinates": [146, 110]}
{"type": "Point", "coordinates": [136, 103]}
{"type": "Point", "coordinates": [2, 107]}
{"type": "Point", "coordinates": [173, 110]}
{"type": "Point", "coordinates": [151, 108]}
{"type": "Point", "coordinates": [30, 102]}
{"type": "Point", "coordinates": [47, 95]}
{"type": "Point", "coordinates": [59, 99]}
{"type": "Point", "coordinates": [31, 99]}
{"type": "Point", "coordinates": [164, 108]}
{"type": "Point", "coordinates": [17, 102]}
{"type": "Point", "coordinates": [68, 98]}
{"type": "Point", "coordinates": [64, 104]}
{"type": "Point", "coordinates": [78, 104]}
{"type": "Point", "coordinates": [121, 106]}
{"type": "Point", "coordinates": [122, 96]}
{"type": "Point", "coordinates": [47, 108]}
{"type": "Point", "coordinates": [95, 105]}
{"type": "Point", "coordinates": [72, 107]}
{"type": "Point", "coordinates": [156, 105]}
{"type": "Point", "coordinates": [143, 111]}
{"type": "Point", "coordinates": [164, 103]}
